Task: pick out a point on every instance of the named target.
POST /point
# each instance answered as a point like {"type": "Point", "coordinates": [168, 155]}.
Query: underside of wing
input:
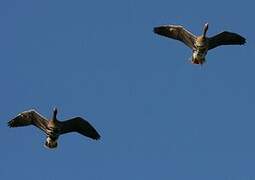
{"type": "Point", "coordinates": [226, 38]}
{"type": "Point", "coordinates": [178, 33]}
{"type": "Point", "coordinates": [81, 126]}
{"type": "Point", "coordinates": [27, 118]}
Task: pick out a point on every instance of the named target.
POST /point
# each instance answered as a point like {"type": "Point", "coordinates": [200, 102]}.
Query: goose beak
{"type": "Point", "coordinates": [206, 25]}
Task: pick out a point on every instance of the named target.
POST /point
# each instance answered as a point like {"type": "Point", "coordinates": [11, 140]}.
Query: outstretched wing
{"type": "Point", "coordinates": [226, 38]}
{"type": "Point", "coordinates": [178, 33]}
{"type": "Point", "coordinates": [79, 125]}
{"type": "Point", "coordinates": [30, 117]}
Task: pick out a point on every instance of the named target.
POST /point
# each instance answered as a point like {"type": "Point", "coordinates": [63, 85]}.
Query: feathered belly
{"type": "Point", "coordinates": [53, 133]}
{"type": "Point", "coordinates": [198, 57]}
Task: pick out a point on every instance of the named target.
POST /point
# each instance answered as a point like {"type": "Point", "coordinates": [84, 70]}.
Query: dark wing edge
{"type": "Point", "coordinates": [81, 126]}
{"type": "Point", "coordinates": [226, 38]}
{"type": "Point", "coordinates": [27, 118]}
{"type": "Point", "coordinates": [176, 32]}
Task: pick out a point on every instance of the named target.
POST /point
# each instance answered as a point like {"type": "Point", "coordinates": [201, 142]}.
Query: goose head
{"type": "Point", "coordinates": [205, 29]}
{"type": "Point", "coordinates": [201, 40]}
{"type": "Point", "coordinates": [55, 111]}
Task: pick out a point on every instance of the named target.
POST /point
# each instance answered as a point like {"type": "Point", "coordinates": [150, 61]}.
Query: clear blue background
{"type": "Point", "coordinates": [160, 117]}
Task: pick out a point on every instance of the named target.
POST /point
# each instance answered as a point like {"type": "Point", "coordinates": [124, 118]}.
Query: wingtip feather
{"type": "Point", "coordinates": [10, 124]}
{"type": "Point", "coordinates": [159, 30]}
{"type": "Point", "coordinates": [155, 30]}
{"type": "Point", "coordinates": [96, 137]}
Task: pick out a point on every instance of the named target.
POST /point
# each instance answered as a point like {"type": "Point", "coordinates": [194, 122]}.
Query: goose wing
{"type": "Point", "coordinates": [27, 118]}
{"type": "Point", "coordinates": [178, 33]}
{"type": "Point", "coordinates": [226, 38]}
{"type": "Point", "coordinates": [81, 126]}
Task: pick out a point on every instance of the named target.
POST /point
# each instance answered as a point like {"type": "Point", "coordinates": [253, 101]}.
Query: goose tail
{"type": "Point", "coordinates": [50, 143]}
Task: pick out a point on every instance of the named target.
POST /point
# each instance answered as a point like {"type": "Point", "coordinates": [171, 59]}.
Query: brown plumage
{"type": "Point", "coordinates": [199, 44]}
{"type": "Point", "coordinates": [54, 128]}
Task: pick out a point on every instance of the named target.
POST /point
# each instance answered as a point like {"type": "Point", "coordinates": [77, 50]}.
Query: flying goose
{"type": "Point", "coordinates": [54, 128]}
{"type": "Point", "coordinates": [199, 44]}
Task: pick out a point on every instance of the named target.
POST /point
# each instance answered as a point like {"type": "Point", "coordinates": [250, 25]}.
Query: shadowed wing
{"type": "Point", "coordinates": [27, 118]}
{"type": "Point", "coordinates": [226, 38]}
{"type": "Point", "coordinates": [81, 126]}
{"type": "Point", "coordinates": [178, 33]}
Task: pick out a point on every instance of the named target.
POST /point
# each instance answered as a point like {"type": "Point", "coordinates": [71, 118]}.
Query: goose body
{"type": "Point", "coordinates": [199, 44]}
{"type": "Point", "coordinates": [53, 128]}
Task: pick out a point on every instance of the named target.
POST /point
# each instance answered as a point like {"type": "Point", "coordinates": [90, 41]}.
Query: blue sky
{"type": "Point", "coordinates": [159, 116]}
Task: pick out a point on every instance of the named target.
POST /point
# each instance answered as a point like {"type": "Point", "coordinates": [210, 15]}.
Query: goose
{"type": "Point", "coordinates": [53, 128]}
{"type": "Point", "coordinates": [199, 44]}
